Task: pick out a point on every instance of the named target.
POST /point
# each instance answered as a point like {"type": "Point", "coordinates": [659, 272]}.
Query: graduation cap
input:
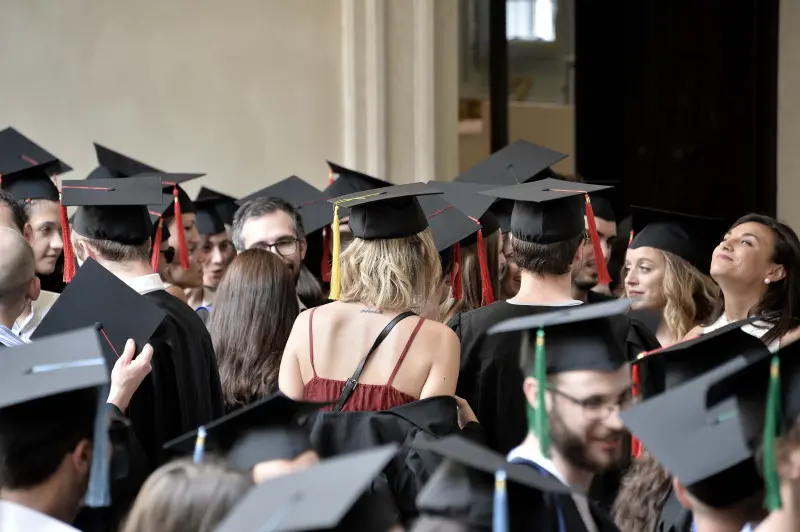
{"type": "Point", "coordinates": [265, 430]}
{"type": "Point", "coordinates": [705, 449]}
{"type": "Point", "coordinates": [475, 482]}
{"type": "Point", "coordinates": [27, 169]}
{"type": "Point", "coordinates": [449, 227]}
{"type": "Point", "coordinates": [119, 165]}
{"type": "Point", "coordinates": [382, 213]}
{"type": "Point", "coordinates": [209, 222]}
{"type": "Point", "coordinates": [466, 197]}
{"type": "Point", "coordinates": [551, 210]}
{"type": "Point", "coordinates": [767, 395]}
{"type": "Point", "coordinates": [173, 204]}
{"type": "Point", "coordinates": [47, 388]}
{"type": "Point", "coordinates": [226, 205]}
{"type": "Point", "coordinates": [317, 498]}
{"type": "Point", "coordinates": [97, 296]}
{"type": "Point", "coordinates": [344, 181]}
{"type": "Point", "coordinates": [692, 238]}
{"type": "Point", "coordinates": [518, 162]}
{"type": "Point", "coordinates": [595, 348]}
{"type": "Point", "coordinates": [312, 204]}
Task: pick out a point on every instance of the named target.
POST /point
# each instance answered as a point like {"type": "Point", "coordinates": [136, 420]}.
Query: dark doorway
{"type": "Point", "coordinates": [677, 100]}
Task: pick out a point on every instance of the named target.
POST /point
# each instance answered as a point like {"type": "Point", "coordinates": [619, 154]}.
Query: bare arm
{"type": "Point", "coordinates": [443, 375]}
{"type": "Point", "coordinates": [290, 378]}
{"type": "Point", "coordinates": [694, 333]}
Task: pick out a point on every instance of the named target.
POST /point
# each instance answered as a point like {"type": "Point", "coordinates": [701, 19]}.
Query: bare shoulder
{"type": "Point", "coordinates": [439, 334]}
{"type": "Point", "coordinates": [694, 333]}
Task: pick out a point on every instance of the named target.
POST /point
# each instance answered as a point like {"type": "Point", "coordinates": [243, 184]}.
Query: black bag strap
{"type": "Point", "coordinates": [351, 383]}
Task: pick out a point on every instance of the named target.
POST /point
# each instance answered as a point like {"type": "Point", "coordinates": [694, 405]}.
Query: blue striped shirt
{"type": "Point", "coordinates": [8, 338]}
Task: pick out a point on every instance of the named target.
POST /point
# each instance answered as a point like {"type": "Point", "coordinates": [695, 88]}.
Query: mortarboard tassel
{"type": "Point", "coordinates": [772, 482]}
{"type": "Point", "coordinates": [602, 269]}
{"type": "Point", "coordinates": [330, 177]}
{"type": "Point", "coordinates": [487, 294]}
{"type": "Point", "coordinates": [200, 445]}
{"type": "Point", "coordinates": [630, 238]}
{"type": "Point", "coordinates": [636, 445]}
{"type": "Point", "coordinates": [156, 255]}
{"type": "Point", "coordinates": [455, 273]}
{"type": "Point", "coordinates": [541, 426]}
{"type": "Point", "coordinates": [183, 251]}
{"type": "Point", "coordinates": [335, 279]}
{"type": "Point", "coordinates": [326, 255]}
{"type": "Point", "coordinates": [500, 506]}
{"type": "Point", "coordinates": [66, 237]}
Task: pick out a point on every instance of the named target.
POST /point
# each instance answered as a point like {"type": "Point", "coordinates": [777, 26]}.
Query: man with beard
{"type": "Point", "coordinates": [574, 388]}
{"type": "Point", "coordinates": [584, 273]}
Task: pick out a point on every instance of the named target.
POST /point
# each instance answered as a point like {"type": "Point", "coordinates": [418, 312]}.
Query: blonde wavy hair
{"type": "Point", "coordinates": [690, 295]}
{"type": "Point", "coordinates": [391, 274]}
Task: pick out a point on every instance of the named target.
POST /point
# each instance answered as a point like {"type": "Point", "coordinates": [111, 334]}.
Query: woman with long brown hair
{"type": "Point", "coordinates": [250, 323]}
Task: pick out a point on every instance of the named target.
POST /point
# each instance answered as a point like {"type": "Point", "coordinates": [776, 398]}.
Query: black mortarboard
{"type": "Point", "coordinates": [462, 488]}
{"type": "Point", "coordinates": [311, 203]}
{"type": "Point", "coordinates": [389, 212]}
{"type": "Point", "coordinates": [704, 449]}
{"type": "Point", "coordinates": [209, 221]}
{"type": "Point", "coordinates": [226, 205]}
{"type": "Point", "coordinates": [119, 165]}
{"type": "Point", "coordinates": [448, 224]}
{"type": "Point", "coordinates": [544, 211]}
{"type": "Point", "coordinates": [317, 498]}
{"type": "Point", "coordinates": [516, 163]}
{"type": "Point", "coordinates": [349, 181]}
{"type": "Point", "coordinates": [468, 198]}
{"type": "Point", "coordinates": [693, 238]}
{"type": "Point", "coordinates": [265, 430]}
{"type": "Point", "coordinates": [608, 204]}
{"type": "Point", "coordinates": [578, 337]}
{"type": "Point", "coordinates": [112, 209]}
{"type": "Point", "coordinates": [679, 363]}
{"type": "Point", "coordinates": [59, 364]}
{"type": "Point", "coordinates": [26, 169]}
{"type": "Point", "coordinates": [171, 185]}
{"type": "Point", "coordinates": [97, 296]}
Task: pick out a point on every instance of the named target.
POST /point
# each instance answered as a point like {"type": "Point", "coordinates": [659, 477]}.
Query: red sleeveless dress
{"type": "Point", "coordinates": [365, 397]}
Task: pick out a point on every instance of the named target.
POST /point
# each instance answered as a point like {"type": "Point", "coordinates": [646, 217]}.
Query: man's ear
{"type": "Point", "coordinates": [680, 493]}
{"type": "Point", "coordinates": [34, 288]}
{"type": "Point", "coordinates": [303, 248]}
{"type": "Point", "coordinates": [27, 233]}
{"type": "Point", "coordinates": [81, 457]}
{"type": "Point", "coordinates": [530, 388]}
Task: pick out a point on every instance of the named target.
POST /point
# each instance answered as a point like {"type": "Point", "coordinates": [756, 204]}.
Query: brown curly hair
{"type": "Point", "coordinates": [642, 496]}
{"type": "Point", "coordinates": [690, 296]}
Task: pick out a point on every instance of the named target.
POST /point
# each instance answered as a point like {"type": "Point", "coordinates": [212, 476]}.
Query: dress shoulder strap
{"type": "Point", "coordinates": [405, 351]}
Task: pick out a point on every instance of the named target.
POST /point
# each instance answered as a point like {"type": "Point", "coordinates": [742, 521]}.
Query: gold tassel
{"type": "Point", "coordinates": [336, 287]}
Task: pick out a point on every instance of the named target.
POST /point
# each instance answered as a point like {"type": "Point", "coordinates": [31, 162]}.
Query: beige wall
{"type": "Point", "coordinates": [248, 91]}
{"type": "Point", "coordinates": [789, 114]}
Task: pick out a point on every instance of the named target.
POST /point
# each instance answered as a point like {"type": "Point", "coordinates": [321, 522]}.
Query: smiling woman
{"type": "Point", "coordinates": [44, 217]}
{"type": "Point", "coordinates": [757, 266]}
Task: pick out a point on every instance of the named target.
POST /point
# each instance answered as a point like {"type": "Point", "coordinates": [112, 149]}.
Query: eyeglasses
{"type": "Point", "coordinates": [283, 247]}
{"type": "Point", "coordinates": [596, 408]}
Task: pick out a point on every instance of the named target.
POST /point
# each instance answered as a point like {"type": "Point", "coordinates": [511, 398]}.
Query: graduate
{"type": "Point", "coordinates": [216, 252]}
{"type": "Point", "coordinates": [548, 231]}
{"type": "Point", "coordinates": [27, 172]}
{"type": "Point", "coordinates": [112, 227]}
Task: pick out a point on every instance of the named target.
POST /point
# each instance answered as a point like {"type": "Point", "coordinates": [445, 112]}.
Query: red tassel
{"type": "Point", "coordinates": [69, 253]}
{"type": "Point", "coordinates": [455, 273]}
{"type": "Point", "coordinates": [183, 251]}
{"type": "Point", "coordinates": [602, 269]}
{"type": "Point", "coordinates": [156, 254]}
{"type": "Point", "coordinates": [487, 294]}
{"type": "Point", "coordinates": [326, 254]}
{"type": "Point", "coordinates": [330, 182]}
{"type": "Point", "coordinates": [630, 238]}
{"type": "Point", "coordinates": [636, 445]}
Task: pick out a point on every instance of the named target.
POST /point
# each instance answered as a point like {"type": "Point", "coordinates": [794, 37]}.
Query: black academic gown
{"type": "Point", "coordinates": [409, 425]}
{"type": "Point", "coordinates": [567, 515]}
{"type": "Point", "coordinates": [183, 390]}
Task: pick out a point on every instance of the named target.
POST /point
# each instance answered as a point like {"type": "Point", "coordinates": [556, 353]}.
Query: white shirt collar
{"type": "Point", "coordinates": [39, 309]}
{"type": "Point", "coordinates": [16, 518]}
{"type": "Point", "coordinates": [145, 284]}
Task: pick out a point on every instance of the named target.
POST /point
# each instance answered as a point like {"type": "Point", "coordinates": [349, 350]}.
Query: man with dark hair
{"type": "Point", "coordinates": [584, 272]}
{"type": "Point", "coordinates": [13, 216]}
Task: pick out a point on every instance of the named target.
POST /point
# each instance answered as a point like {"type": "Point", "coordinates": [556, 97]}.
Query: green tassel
{"type": "Point", "coordinates": [541, 425]}
{"type": "Point", "coordinates": [772, 481]}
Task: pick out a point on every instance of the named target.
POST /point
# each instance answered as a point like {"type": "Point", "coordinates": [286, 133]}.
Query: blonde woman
{"type": "Point", "coordinates": [387, 275]}
{"type": "Point", "coordinates": [666, 269]}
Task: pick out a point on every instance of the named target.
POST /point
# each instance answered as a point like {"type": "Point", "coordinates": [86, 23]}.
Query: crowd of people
{"type": "Point", "coordinates": [493, 352]}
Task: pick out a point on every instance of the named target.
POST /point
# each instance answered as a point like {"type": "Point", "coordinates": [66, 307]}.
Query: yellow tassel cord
{"type": "Point", "coordinates": [336, 286]}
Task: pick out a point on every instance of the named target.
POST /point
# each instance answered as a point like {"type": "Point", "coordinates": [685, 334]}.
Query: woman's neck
{"type": "Point", "coordinates": [546, 289]}
{"type": "Point", "coordinates": [738, 305]}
